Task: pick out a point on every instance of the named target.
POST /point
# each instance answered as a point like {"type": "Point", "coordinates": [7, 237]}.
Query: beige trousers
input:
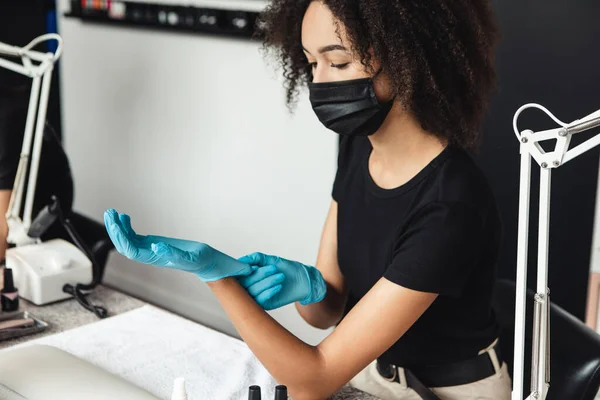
{"type": "Point", "coordinates": [495, 387]}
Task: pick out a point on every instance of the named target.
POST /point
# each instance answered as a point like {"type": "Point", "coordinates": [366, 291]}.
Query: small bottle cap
{"type": "Point", "coordinates": [281, 392]}
{"type": "Point", "coordinates": [254, 393]}
{"type": "Point", "coordinates": [179, 392]}
{"type": "Point", "coordinates": [9, 284]}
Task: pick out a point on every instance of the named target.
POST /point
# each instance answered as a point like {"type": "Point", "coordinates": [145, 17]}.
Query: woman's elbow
{"type": "Point", "coordinates": [304, 394]}
{"type": "Point", "coordinates": [317, 391]}
{"type": "Point", "coordinates": [314, 382]}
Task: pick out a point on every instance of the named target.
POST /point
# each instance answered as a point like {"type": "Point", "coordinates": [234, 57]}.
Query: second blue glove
{"type": "Point", "coordinates": [302, 283]}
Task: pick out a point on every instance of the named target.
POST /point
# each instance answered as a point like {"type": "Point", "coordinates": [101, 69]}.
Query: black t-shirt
{"type": "Point", "coordinates": [440, 233]}
{"type": "Point", "coordinates": [54, 173]}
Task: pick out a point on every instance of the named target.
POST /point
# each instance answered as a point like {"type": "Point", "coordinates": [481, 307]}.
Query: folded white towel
{"type": "Point", "coordinates": [151, 347]}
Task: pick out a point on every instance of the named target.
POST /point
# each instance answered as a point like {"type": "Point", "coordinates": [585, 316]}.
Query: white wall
{"type": "Point", "coordinates": [190, 135]}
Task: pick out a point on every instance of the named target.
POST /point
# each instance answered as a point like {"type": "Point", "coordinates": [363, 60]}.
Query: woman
{"type": "Point", "coordinates": [406, 263]}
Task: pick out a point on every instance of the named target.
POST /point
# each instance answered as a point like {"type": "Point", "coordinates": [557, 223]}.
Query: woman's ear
{"type": "Point", "coordinates": [383, 86]}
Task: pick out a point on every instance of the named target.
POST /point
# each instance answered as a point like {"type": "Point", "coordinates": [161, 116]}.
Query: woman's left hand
{"type": "Point", "coordinates": [198, 258]}
{"type": "Point", "coordinates": [301, 283]}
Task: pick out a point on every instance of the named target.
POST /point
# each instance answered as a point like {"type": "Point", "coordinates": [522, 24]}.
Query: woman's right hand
{"type": "Point", "coordinates": [198, 258]}
{"type": "Point", "coordinates": [302, 283]}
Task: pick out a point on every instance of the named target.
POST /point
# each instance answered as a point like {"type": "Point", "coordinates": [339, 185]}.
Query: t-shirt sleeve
{"type": "Point", "coordinates": [438, 250]}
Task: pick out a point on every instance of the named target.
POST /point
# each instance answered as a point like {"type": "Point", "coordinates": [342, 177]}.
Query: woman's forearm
{"type": "Point", "coordinates": [4, 201]}
{"type": "Point", "coordinates": [3, 236]}
{"type": "Point", "coordinates": [3, 246]}
{"type": "Point", "coordinates": [289, 360]}
{"type": "Point", "coordinates": [326, 313]}
{"type": "Point", "coordinates": [330, 310]}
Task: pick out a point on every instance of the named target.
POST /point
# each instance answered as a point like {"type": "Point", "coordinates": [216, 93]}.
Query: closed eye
{"type": "Point", "coordinates": [313, 65]}
{"type": "Point", "coordinates": [340, 66]}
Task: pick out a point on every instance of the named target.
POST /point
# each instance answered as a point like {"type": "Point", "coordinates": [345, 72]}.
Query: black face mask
{"type": "Point", "coordinates": [349, 107]}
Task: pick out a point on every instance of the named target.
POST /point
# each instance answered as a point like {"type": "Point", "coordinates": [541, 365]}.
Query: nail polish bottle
{"type": "Point", "coordinates": [9, 295]}
{"type": "Point", "coordinates": [254, 392]}
{"type": "Point", "coordinates": [281, 392]}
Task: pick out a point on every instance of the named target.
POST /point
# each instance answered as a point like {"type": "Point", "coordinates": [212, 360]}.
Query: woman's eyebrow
{"type": "Point", "coordinates": [331, 47]}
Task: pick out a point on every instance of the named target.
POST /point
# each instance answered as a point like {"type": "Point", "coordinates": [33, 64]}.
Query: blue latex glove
{"type": "Point", "coordinates": [265, 282]}
{"type": "Point", "coordinates": [198, 258]}
{"type": "Point", "coordinates": [302, 283]}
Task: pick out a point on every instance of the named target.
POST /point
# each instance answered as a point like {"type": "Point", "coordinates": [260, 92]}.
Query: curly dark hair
{"type": "Point", "coordinates": [439, 54]}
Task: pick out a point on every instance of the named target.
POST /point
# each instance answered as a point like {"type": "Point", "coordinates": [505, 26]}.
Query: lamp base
{"type": "Point", "coordinates": [41, 270]}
